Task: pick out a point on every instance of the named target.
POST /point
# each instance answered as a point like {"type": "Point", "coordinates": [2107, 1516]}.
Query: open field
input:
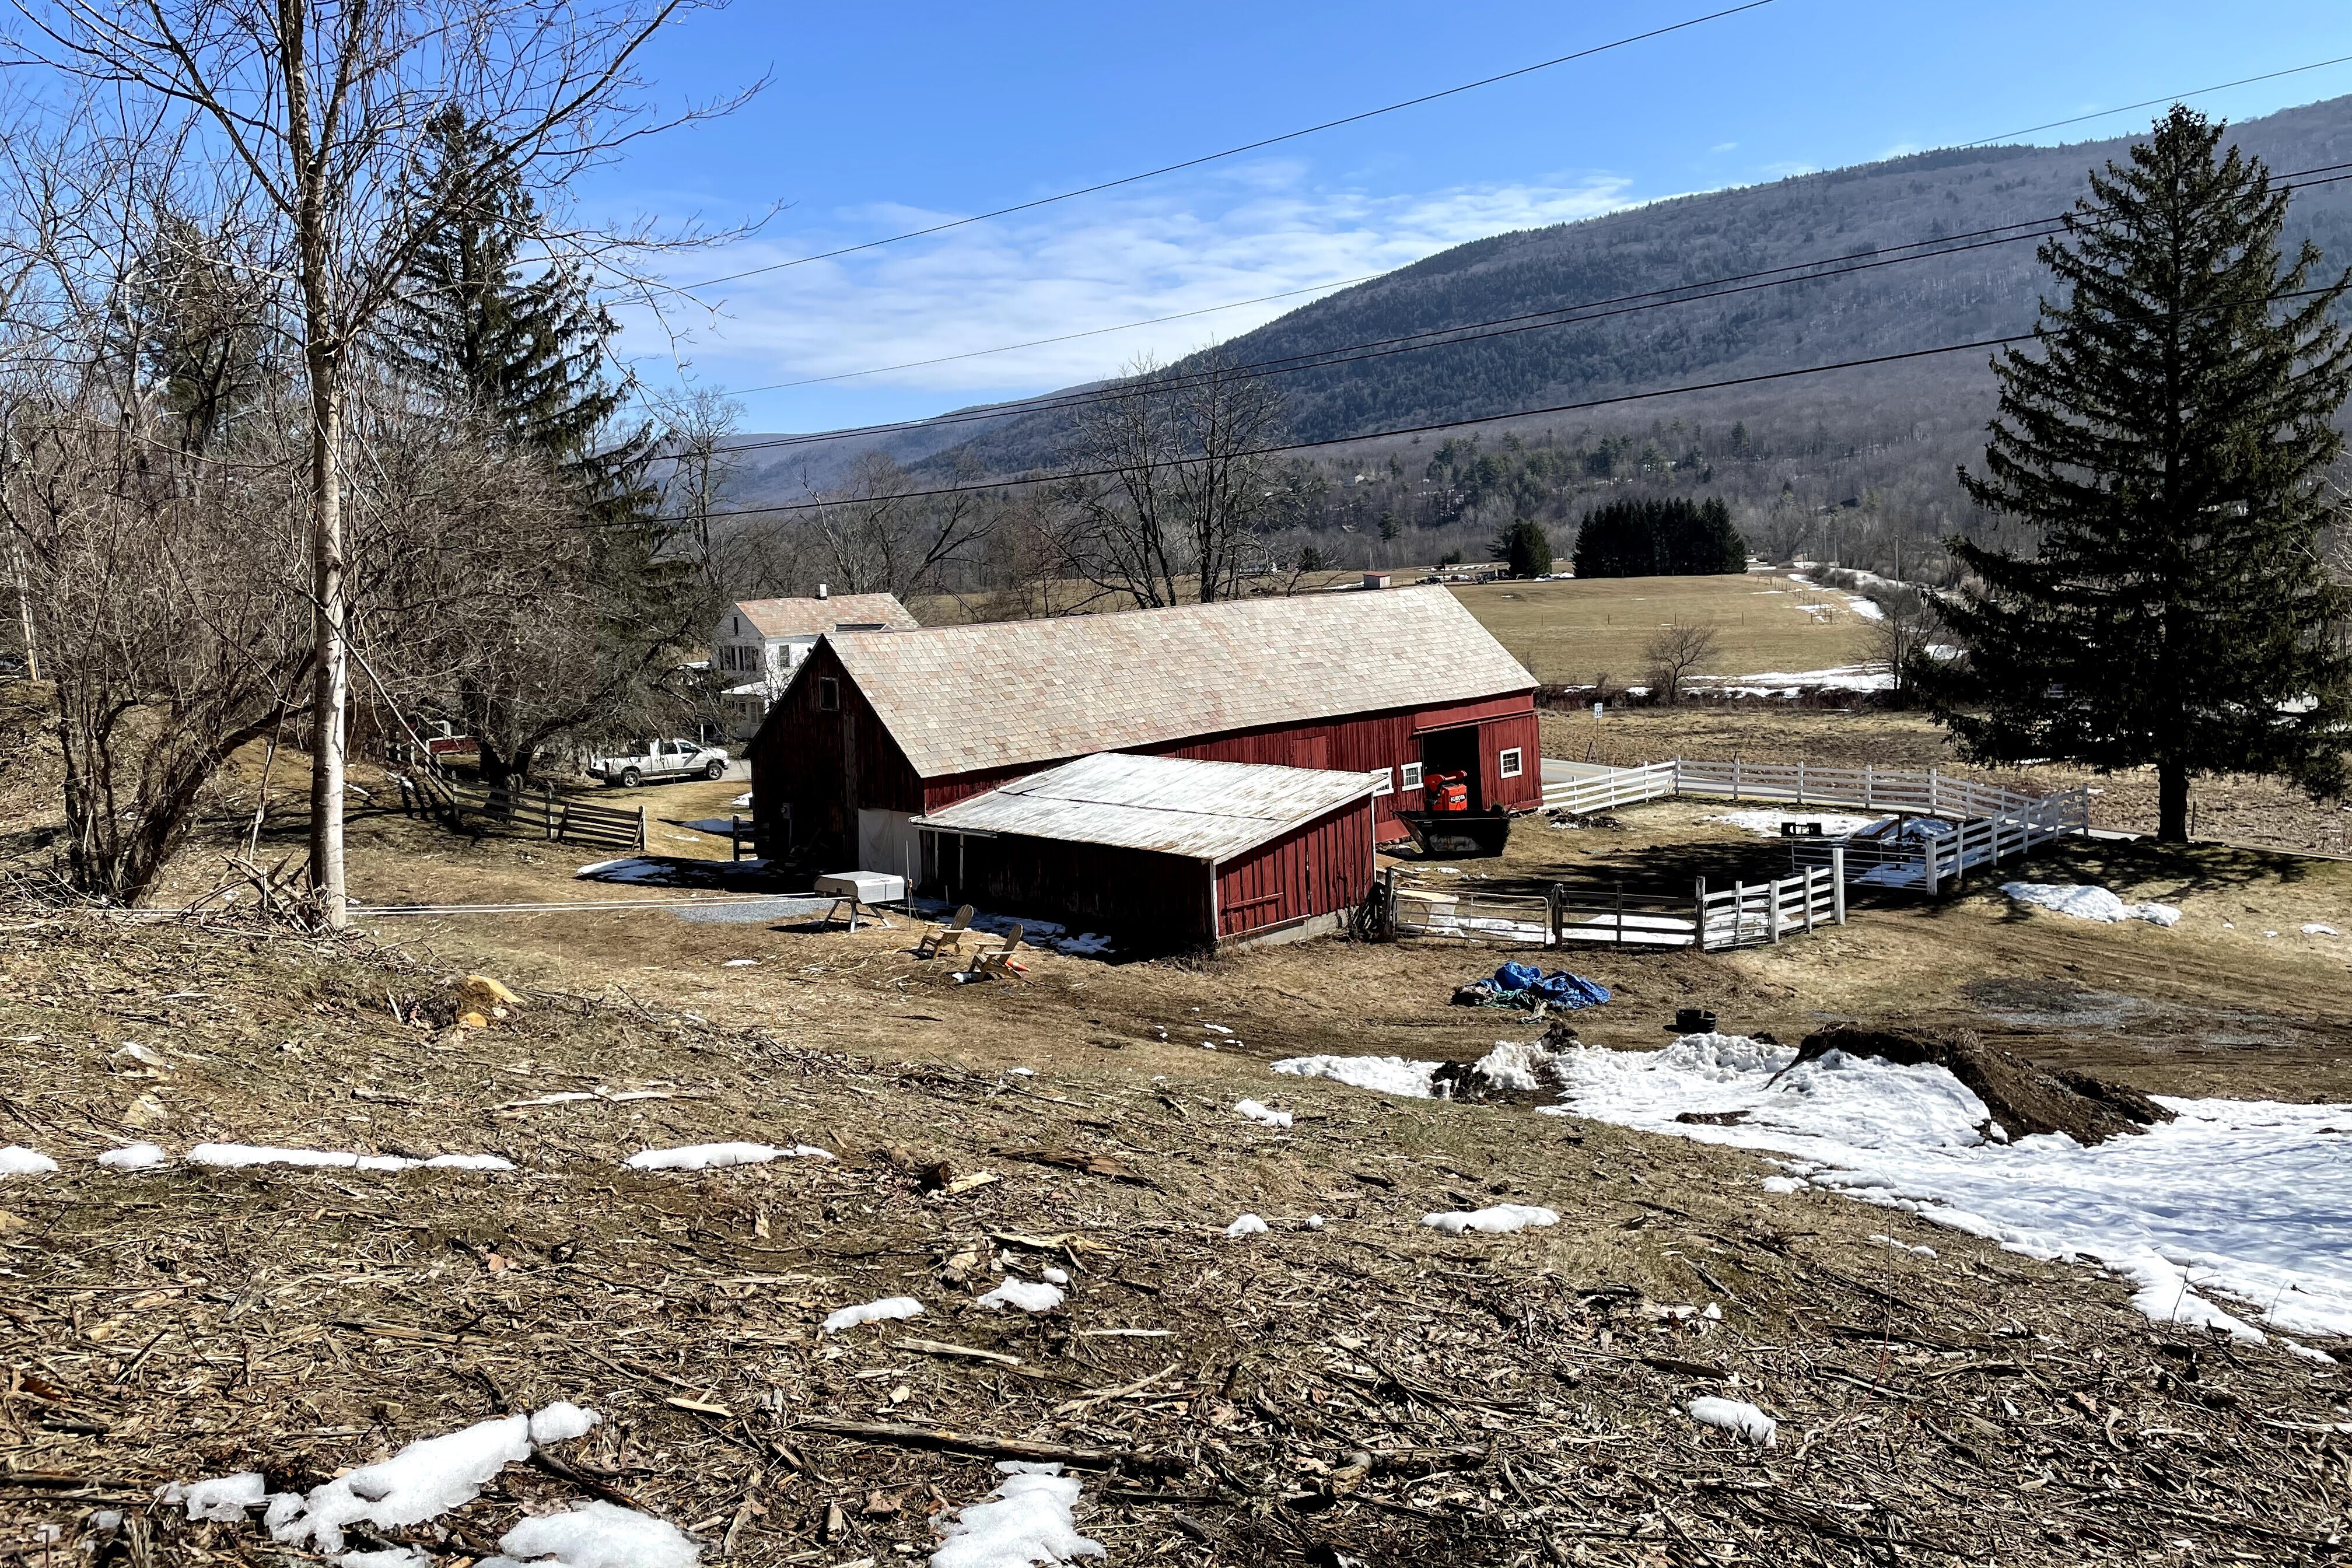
{"type": "Point", "coordinates": [1517, 1398]}
{"type": "Point", "coordinates": [1576, 632]}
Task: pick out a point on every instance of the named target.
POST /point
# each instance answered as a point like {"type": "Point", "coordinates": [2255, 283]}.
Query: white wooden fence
{"type": "Point", "coordinates": [1746, 914]}
{"type": "Point", "coordinates": [1928, 791]}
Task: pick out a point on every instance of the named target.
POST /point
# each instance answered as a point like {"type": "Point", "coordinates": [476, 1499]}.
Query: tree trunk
{"type": "Point", "coordinates": [331, 683]}
{"type": "Point", "coordinates": [2172, 801]}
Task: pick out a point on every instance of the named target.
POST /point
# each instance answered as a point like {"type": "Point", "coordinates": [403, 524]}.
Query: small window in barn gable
{"type": "Point", "coordinates": [828, 695]}
{"type": "Point", "coordinates": [1411, 779]}
{"type": "Point", "coordinates": [1510, 768]}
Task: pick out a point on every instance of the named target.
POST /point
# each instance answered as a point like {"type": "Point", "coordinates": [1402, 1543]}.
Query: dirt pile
{"type": "Point", "coordinates": [2023, 1098]}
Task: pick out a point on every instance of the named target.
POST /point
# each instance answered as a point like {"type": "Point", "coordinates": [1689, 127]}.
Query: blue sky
{"type": "Point", "coordinates": [884, 118]}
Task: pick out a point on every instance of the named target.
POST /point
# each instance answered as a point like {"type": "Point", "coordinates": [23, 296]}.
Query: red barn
{"type": "Point", "coordinates": [878, 728]}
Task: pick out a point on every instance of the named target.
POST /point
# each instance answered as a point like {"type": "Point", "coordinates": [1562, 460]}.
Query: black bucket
{"type": "Point", "coordinates": [1693, 1021]}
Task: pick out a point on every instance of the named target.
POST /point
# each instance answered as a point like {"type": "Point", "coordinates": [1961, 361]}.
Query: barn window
{"type": "Point", "coordinates": [828, 695]}
{"type": "Point", "coordinates": [1384, 781]}
{"type": "Point", "coordinates": [1411, 779]}
{"type": "Point", "coordinates": [1510, 761]}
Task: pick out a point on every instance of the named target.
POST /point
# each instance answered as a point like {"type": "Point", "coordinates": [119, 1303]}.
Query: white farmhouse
{"type": "Point", "coordinates": [758, 643]}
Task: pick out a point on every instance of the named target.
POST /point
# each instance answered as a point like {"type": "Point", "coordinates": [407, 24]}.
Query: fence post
{"type": "Point", "coordinates": [641, 830]}
{"type": "Point", "coordinates": [1865, 788]}
{"type": "Point", "coordinates": [1389, 902]}
{"type": "Point", "coordinates": [1928, 857]}
{"type": "Point", "coordinates": [1801, 784]}
{"type": "Point", "coordinates": [1935, 796]}
{"type": "Point", "coordinates": [1621, 914]}
{"type": "Point", "coordinates": [547, 809]}
{"type": "Point", "coordinates": [1837, 877]}
{"type": "Point", "coordinates": [1734, 776]}
{"type": "Point", "coordinates": [1698, 908]}
{"type": "Point", "coordinates": [1772, 920]}
{"type": "Point", "coordinates": [1551, 913]}
{"type": "Point", "coordinates": [735, 836]}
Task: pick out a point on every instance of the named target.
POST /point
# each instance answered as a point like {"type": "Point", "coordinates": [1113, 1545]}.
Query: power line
{"type": "Point", "coordinates": [1432, 428]}
{"type": "Point", "coordinates": [1817, 269]}
{"type": "Point", "coordinates": [2168, 98]}
{"type": "Point", "coordinates": [1063, 338]}
{"type": "Point", "coordinates": [1228, 152]}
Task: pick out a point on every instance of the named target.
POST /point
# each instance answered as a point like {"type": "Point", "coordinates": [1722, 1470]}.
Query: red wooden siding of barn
{"type": "Point", "coordinates": [1361, 743]}
{"type": "Point", "coordinates": [796, 758]}
{"type": "Point", "coordinates": [1319, 868]}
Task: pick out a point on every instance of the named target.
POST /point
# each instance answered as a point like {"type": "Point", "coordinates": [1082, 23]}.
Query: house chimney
{"type": "Point", "coordinates": [820, 593]}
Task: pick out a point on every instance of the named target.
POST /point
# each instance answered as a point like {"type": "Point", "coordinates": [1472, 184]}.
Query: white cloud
{"type": "Point", "coordinates": [1723, 147]}
{"type": "Point", "coordinates": [1256, 230]}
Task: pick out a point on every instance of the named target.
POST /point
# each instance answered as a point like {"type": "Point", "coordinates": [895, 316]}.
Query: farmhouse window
{"type": "Point", "coordinates": [1384, 781]}
{"type": "Point", "coordinates": [1510, 759]}
{"type": "Point", "coordinates": [1411, 779]}
{"type": "Point", "coordinates": [828, 695]}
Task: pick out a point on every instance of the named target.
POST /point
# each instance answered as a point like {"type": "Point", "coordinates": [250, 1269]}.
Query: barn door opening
{"type": "Point", "coordinates": [1454, 751]}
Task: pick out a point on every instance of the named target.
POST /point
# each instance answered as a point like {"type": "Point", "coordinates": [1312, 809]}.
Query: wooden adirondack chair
{"type": "Point", "coordinates": [947, 937]}
{"type": "Point", "coordinates": [998, 960]}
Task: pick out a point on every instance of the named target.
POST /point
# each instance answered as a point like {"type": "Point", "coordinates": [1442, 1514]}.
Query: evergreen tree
{"type": "Point", "coordinates": [1678, 537]}
{"type": "Point", "coordinates": [1526, 548]}
{"type": "Point", "coordinates": [2168, 438]}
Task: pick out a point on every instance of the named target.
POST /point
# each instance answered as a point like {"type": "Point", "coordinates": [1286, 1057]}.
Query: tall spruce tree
{"type": "Point", "coordinates": [2168, 435]}
{"type": "Point", "coordinates": [518, 347]}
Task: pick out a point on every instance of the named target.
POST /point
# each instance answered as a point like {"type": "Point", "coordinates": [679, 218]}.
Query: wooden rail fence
{"type": "Point", "coordinates": [540, 812]}
{"type": "Point", "coordinates": [1746, 914]}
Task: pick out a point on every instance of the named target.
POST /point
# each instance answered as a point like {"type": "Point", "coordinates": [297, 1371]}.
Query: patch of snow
{"type": "Point", "coordinates": [1023, 1294]}
{"type": "Point", "coordinates": [429, 1476]}
{"type": "Point", "coordinates": [2236, 1198]}
{"type": "Point", "coordinates": [1247, 1224]}
{"type": "Point", "coordinates": [2317, 929]}
{"type": "Point", "coordinates": [1055, 1276]}
{"type": "Point", "coordinates": [2089, 901]}
{"type": "Point", "coordinates": [1511, 1065]}
{"type": "Point", "coordinates": [743, 799]}
{"type": "Point", "coordinates": [1259, 1114]}
{"type": "Point", "coordinates": [595, 1535]}
{"type": "Point", "coordinates": [1085, 945]}
{"type": "Point", "coordinates": [1520, 1065]}
{"type": "Point", "coordinates": [713, 1156]}
{"type": "Point", "coordinates": [1500, 1218]}
{"type": "Point", "coordinates": [1027, 1519]}
{"type": "Point", "coordinates": [16, 1160]}
{"type": "Point", "coordinates": [1216, 1028]}
{"type": "Point", "coordinates": [1021, 1072]}
{"type": "Point", "coordinates": [1784, 1185]}
{"type": "Point", "coordinates": [1738, 1418]}
{"type": "Point", "coordinates": [222, 1498]}
{"type": "Point", "coordinates": [236, 1156]}
{"type": "Point", "coordinates": [390, 1557]}
{"type": "Point", "coordinates": [560, 1422]}
{"type": "Point", "coordinates": [1905, 1246]}
{"type": "Point", "coordinates": [2305, 1352]}
{"type": "Point", "coordinates": [890, 1309]}
{"type": "Point", "coordinates": [1768, 823]}
{"type": "Point", "coordinates": [1789, 682]}
{"type": "Point", "coordinates": [1868, 609]}
{"type": "Point", "coordinates": [740, 963]}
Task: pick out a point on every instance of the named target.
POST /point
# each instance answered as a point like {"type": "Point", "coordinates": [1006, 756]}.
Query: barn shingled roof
{"type": "Point", "coordinates": [960, 699]}
{"type": "Point", "coordinates": [800, 617]}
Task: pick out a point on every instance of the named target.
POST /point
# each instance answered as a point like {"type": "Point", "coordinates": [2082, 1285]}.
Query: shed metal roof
{"type": "Point", "coordinates": [806, 617]}
{"type": "Point", "coordinates": [962, 699]}
{"type": "Point", "coordinates": [1173, 805]}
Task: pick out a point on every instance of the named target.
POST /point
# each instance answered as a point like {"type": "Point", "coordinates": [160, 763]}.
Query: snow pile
{"type": "Point", "coordinates": [135, 1157]}
{"type": "Point", "coordinates": [2317, 929]}
{"type": "Point", "coordinates": [1020, 1293]}
{"type": "Point", "coordinates": [1055, 1276]}
{"type": "Point", "coordinates": [560, 1422]}
{"type": "Point", "coordinates": [16, 1160]}
{"type": "Point", "coordinates": [712, 1156]}
{"type": "Point", "coordinates": [1789, 682]}
{"type": "Point", "coordinates": [1247, 1224]}
{"type": "Point", "coordinates": [1738, 1418]}
{"type": "Point", "coordinates": [595, 1535]}
{"type": "Point", "coordinates": [1027, 1519]}
{"type": "Point", "coordinates": [1768, 823]}
{"type": "Point", "coordinates": [429, 1476]}
{"type": "Point", "coordinates": [888, 1310]}
{"type": "Point", "coordinates": [2089, 901]}
{"type": "Point", "coordinates": [1499, 1219]}
{"type": "Point", "coordinates": [1260, 1114]}
{"type": "Point", "coordinates": [1511, 1065]}
{"type": "Point", "coordinates": [223, 1498]}
{"type": "Point", "coordinates": [2238, 1198]}
{"type": "Point", "coordinates": [238, 1156]}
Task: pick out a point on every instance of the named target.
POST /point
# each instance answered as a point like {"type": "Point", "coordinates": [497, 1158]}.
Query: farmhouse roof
{"type": "Point", "coordinates": [1175, 806]}
{"type": "Point", "coordinates": [964, 699]}
{"type": "Point", "coordinates": [806, 617]}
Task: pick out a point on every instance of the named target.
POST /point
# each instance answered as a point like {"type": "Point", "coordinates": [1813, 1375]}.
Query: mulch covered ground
{"type": "Point", "coordinates": [1367, 1390]}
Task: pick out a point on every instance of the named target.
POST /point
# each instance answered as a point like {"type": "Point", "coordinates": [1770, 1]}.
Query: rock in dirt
{"type": "Point", "coordinates": [2023, 1099]}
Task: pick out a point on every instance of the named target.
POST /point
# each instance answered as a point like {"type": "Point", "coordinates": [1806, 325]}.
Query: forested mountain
{"type": "Point", "coordinates": [1882, 440]}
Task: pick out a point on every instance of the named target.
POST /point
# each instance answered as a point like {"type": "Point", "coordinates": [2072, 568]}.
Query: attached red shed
{"type": "Point", "coordinates": [880, 727]}
{"type": "Point", "coordinates": [1176, 851]}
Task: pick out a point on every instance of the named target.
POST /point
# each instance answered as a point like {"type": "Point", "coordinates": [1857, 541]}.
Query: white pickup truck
{"type": "Point", "coordinates": [645, 762]}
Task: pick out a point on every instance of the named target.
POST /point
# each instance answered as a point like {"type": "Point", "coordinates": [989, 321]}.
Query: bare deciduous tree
{"type": "Point", "coordinates": [881, 536]}
{"type": "Point", "coordinates": [1900, 637]}
{"type": "Point", "coordinates": [1677, 653]}
{"type": "Point", "coordinates": [1189, 487]}
{"type": "Point", "coordinates": [321, 107]}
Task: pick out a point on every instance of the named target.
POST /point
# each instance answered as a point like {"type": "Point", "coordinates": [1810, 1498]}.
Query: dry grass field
{"type": "Point", "coordinates": [1577, 633]}
{"type": "Point", "coordinates": [1364, 1391]}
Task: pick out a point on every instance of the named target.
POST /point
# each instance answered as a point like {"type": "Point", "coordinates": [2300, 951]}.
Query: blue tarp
{"type": "Point", "coordinates": [1560, 988]}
